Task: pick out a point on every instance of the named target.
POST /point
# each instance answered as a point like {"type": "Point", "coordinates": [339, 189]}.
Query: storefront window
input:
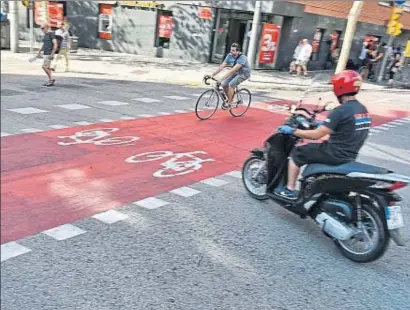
{"type": "Point", "coordinates": [221, 37]}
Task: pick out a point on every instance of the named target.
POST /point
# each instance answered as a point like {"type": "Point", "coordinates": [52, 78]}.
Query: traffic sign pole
{"type": "Point", "coordinates": [385, 58]}
{"type": "Point", "coordinates": [31, 21]}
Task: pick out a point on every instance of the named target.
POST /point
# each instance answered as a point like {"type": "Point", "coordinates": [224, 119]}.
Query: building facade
{"type": "Point", "coordinates": [204, 30]}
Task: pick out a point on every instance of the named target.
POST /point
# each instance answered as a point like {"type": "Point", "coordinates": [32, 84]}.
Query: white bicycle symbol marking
{"type": "Point", "coordinates": [174, 166]}
{"type": "Point", "coordinates": [98, 137]}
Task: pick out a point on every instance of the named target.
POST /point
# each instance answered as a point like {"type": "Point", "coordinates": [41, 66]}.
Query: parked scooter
{"type": "Point", "coordinates": [354, 204]}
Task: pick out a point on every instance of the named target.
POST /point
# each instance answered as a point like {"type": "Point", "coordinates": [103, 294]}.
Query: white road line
{"type": "Point", "coordinates": [106, 120]}
{"type": "Point", "coordinates": [235, 174]}
{"type": "Point", "coordinates": [83, 123]}
{"type": "Point", "coordinates": [382, 128]}
{"type": "Point", "coordinates": [110, 216]}
{"type": "Point", "coordinates": [58, 126]}
{"type": "Point", "coordinates": [400, 121]}
{"type": "Point", "coordinates": [214, 182]}
{"type": "Point", "coordinates": [127, 117]}
{"type": "Point", "coordinates": [146, 100]}
{"type": "Point", "coordinates": [164, 113]}
{"type": "Point", "coordinates": [180, 111]}
{"type": "Point", "coordinates": [28, 110]}
{"type": "Point", "coordinates": [395, 123]}
{"type": "Point", "coordinates": [176, 98]}
{"type": "Point", "coordinates": [11, 250]}
{"type": "Point", "coordinates": [185, 191]}
{"type": "Point", "coordinates": [113, 103]}
{"type": "Point", "coordinates": [151, 203]}
{"type": "Point", "coordinates": [374, 130]}
{"type": "Point", "coordinates": [64, 232]}
{"type": "Point", "coordinates": [145, 115]}
{"type": "Point", "coordinates": [388, 125]}
{"type": "Point", "coordinates": [31, 130]}
{"type": "Point", "coordinates": [5, 134]}
{"type": "Point", "coordinates": [74, 106]}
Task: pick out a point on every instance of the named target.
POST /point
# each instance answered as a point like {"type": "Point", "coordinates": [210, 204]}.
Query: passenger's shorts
{"type": "Point", "coordinates": [301, 62]}
{"type": "Point", "coordinates": [314, 153]}
{"type": "Point", "coordinates": [47, 60]}
{"type": "Point", "coordinates": [233, 81]}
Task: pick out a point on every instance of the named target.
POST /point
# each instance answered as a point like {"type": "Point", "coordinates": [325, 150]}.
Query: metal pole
{"type": "Point", "coordinates": [349, 35]}
{"type": "Point", "coordinates": [31, 12]}
{"type": "Point", "coordinates": [254, 34]}
{"type": "Point", "coordinates": [385, 58]}
{"type": "Point", "coordinates": [14, 26]}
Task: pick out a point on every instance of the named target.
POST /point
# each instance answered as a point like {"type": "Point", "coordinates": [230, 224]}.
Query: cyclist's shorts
{"type": "Point", "coordinates": [233, 81]}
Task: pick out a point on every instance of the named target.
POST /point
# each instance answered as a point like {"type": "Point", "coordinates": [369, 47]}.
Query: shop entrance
{"type": "Point", "coordinates": [229, 30]}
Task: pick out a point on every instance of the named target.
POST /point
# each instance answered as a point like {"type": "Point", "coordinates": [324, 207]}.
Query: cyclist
{"type": "Point", "coordinates": [348, 126]}
{"type": "Point", "coordinates": [240, 72]}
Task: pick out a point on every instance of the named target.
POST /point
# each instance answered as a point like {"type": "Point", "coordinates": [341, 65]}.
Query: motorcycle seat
{"type": "Point", "coordinates": [343, 169]}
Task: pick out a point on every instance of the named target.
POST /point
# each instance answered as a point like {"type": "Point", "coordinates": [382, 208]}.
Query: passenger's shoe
{"type": "Point", "coordinates": [286, 193]}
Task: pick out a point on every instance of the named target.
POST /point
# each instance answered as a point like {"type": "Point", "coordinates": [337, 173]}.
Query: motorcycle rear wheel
{"type": "Point", "coordinates": [382, 238]}
{"type": "Point", "coordinates": [256, 189]}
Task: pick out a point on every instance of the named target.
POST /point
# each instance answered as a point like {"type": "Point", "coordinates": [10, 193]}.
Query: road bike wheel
{"type": "Point", "coordinates": [242, 101]}
{"type": "Point", "coordinates": [208, 109]}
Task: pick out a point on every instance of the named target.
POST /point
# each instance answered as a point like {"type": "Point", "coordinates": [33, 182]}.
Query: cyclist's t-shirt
{"type": "Point", "coordinates": [245, 70]}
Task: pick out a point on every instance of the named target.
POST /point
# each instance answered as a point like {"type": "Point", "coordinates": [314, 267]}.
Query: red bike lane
{"type": "Point", "coordinates": [57, 177]}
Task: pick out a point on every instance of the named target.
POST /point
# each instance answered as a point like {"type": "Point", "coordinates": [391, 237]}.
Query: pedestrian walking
{"type": "Point", "coordinates": [303, 57]}
{"type": "Point", "coordinates": [292, 66]}
{"type": "Point", "coordinates": [63, 32]}
{"type": "Point", "coordinates": [49, 49]}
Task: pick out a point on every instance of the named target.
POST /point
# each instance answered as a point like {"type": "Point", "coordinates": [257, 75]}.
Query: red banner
{"type": "Point", "coordinates": [165, 26]}
{"type": "Point", "coordinates": [269, 42]}
{"type": "Point", "coordinates": [55, 13]}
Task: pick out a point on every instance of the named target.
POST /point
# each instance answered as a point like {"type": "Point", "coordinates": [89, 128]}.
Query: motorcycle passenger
{"type": "Point", "coordinates": [348, 126]}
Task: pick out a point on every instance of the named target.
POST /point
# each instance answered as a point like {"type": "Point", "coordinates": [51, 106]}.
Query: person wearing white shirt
{"type": "Point", "coordinates": [292, 67]}
{"type": "Point", "coordinates": [303, 57]}
{"type": "Point", "coordinates": [63, 32]}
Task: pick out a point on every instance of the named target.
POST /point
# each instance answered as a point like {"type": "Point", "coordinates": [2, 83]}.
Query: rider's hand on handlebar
{"type": "Point", "coordinates": [287, 130]}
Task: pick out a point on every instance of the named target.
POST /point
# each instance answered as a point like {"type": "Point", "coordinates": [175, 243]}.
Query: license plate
{"type": "Point", "coordinates": [393, 217]}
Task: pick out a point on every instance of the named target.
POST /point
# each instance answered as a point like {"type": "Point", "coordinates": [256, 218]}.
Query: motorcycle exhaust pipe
{"type": "Point", "coordinates": [333, 227]}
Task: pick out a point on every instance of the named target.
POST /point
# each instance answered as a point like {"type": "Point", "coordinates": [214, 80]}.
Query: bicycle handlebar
{"type": "Point", "coordinates": [207, 77]}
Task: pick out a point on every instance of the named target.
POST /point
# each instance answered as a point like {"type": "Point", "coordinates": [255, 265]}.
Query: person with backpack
{"type": "Point", "coordinates": [62, 34]}
{"type": "Point", "coordinates": [49, 49]}
{"type": "Point", "coordinates": [239, 72]}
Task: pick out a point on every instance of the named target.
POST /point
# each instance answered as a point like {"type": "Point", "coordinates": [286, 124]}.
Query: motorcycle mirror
{"type": "Point", "coordinates": [292, 108]}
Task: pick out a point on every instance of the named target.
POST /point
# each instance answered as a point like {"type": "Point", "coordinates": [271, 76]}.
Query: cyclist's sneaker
{"type": "Point", "coordinates": [224, 106]}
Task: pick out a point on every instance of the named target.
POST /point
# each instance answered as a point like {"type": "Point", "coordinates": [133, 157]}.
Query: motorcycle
{"type": "Point", "coordinates": [354, 204]}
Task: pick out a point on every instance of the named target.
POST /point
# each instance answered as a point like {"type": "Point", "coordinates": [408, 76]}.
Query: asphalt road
{"type": "Point", "coordinates": [208, 246]}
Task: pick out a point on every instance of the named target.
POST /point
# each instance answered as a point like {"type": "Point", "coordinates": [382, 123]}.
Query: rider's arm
{"type": "Point", "coordinates": [231, 72]}
{"type": "Point", "coordinates": [316, 134]}
{"type": "Point", "coordinates": [329, 125]}
{"type": "Point", "coordinates": [219, 69]}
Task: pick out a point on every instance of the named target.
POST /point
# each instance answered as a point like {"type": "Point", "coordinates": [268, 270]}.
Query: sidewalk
{"type": "Point", "coordinates": [91, 63]}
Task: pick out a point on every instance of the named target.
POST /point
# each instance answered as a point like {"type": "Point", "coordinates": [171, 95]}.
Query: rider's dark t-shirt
{"type": "Point", "coordinates": [350, 124]}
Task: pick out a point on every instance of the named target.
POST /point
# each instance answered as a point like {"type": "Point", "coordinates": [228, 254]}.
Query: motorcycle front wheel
{"type": "Point", "coordinates": [254, 177]}
{"type": "Point", "coordinates": [372, 238]}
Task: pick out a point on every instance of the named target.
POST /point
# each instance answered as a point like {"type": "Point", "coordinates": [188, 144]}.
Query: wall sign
{"type": "Point", "coordinates": [268, 45]}
{"type": "Point", "coordinates": [55, 13]}
{"type": "Point", "coordinates": [205, 13]}
{"type": "Point", "coordinates": [165, 26]}
{"type": "Point", "coordinates": [105, 21]}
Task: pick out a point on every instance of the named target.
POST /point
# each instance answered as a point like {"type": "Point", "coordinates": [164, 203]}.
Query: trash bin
{"type": "Point", "coordinates": [73, 42]}
{"type": "Point", "coordinates": [5, 34]}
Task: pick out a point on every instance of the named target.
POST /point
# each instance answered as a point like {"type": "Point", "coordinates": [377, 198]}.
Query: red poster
{"type": "Point", "coordinates": [269, 42]}
{"type": "Point", "coordinates": [165, 26]}
{"type": "Point", "coordinates": [55, 13]}
{"type": "Point", "coordinates": [205, 13]}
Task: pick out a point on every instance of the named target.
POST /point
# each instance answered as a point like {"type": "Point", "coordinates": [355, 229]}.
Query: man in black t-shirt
{"type": "Point", "coordinates": [48, 48]}
{"type": "Point", "coordinates": [348, 126]}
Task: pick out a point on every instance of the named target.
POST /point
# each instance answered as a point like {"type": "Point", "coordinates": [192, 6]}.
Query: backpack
{"type": "Point", "coordinates": [59, 41]}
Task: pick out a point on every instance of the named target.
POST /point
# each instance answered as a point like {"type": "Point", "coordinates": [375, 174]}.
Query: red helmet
{"type": "Point", "coordinates": [346, 82]}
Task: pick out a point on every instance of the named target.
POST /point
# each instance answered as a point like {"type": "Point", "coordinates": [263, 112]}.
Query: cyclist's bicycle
{"type": "Point", "coordinates": [208, 102]}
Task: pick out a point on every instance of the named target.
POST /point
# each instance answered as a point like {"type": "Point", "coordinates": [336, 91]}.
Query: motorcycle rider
{"type": "Point", "coordinates": [348, 126]}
